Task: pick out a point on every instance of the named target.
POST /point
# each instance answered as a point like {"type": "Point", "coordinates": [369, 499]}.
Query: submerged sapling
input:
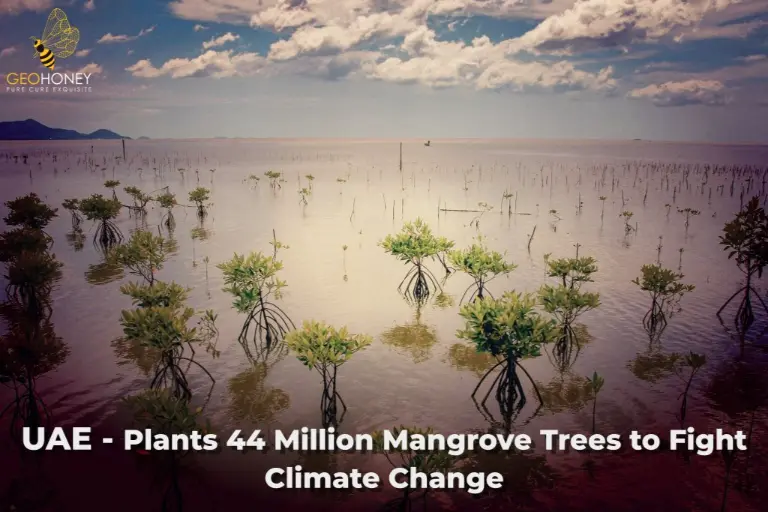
{"type": "Point", "coordinates": [481, 264]}
{"type": "Point", "coordinates": [200, 197]}
{"type": "Point", "coordinates": [666, 291]}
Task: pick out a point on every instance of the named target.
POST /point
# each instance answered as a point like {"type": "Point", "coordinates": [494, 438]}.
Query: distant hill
{"type": "Point", "coordinates": [33, 130]}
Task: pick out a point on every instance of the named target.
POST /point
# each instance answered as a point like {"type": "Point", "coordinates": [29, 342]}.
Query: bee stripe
{"type": "Point", "coordinates": [46, 60]}
{"type": "Point", "coordinates": [50, 65]}
{"type": "Point", "coordinates": [45, 53]}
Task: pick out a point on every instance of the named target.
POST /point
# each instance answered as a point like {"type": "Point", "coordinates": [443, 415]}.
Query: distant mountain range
{"type": "Point", "coordinates": [33, 130]}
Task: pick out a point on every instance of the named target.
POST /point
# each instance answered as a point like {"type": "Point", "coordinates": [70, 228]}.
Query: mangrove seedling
{"type": "Point", "coordinates": [413, 245]}
{"type": "Point", "coordinates": [595, 385]}
{"type": "Point", "coordinates": [99, 209]}
{"type": "Point", "coordinates": [112, 185]}
{"type": "Point", "coordinates": [159, 295]}
{"type": "Point", "coordinates": [746, 239]}
{"type": "Point", "coordinates": [140, 200]}
{"type": "Point", "coordinates": [166, 330]}
{"type": "Point", "coordinates": [274, 178]}
{"type": "Point", "coordinates": [602, 210]}
{"type": "Point", "coordinates": [694, 362]}
{"type": "Point", "coordinates": [566, 301]}
{"type": "Point", "coordinates": [510, 329]}
{"type": "Point", "coordinates": [310, 179]}
{"type": "Point", "coordinates": [324, 348]}
{"type": "Point", "coordinates": [688, 213]}
{"type": "Point", "coordinates": [167, 201]}
{"type": "Point", "coordinates": [430, 462]}
{"type": "Point", "coordinates": [200, 197]}
{"type": "Point", "coordinates": [143, 254]}
{"type": "Point", "coordinates": [626, 217]}
{"type": "Point", "coordinates": [555, 219]}
{"type": "Point", "coordinates": [666, 291]}
{"type": "Point", "coordinates": [303, 193]}
{"type": "Point", "coordinates": [253, 281]}
{"type": "Point", "coordinates": [73, 207]}
{"type": "Point", "coordinates": [482, 265]}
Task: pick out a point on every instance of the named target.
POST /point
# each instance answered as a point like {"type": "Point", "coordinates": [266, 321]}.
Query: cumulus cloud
{"type": "Point", "coordinates": [92, 68]}
{"type": "Point", "coordinates": [108, 38]}
{"type": "Point", "coordinates": [7, 52]}
{"type": "Point", "coordinates": [83, 53]}
{"type": "Point", "coordinates": [676, 94]}
{"type": "Point", "coordinates": [220, 41]}
{"type": "Point", "coordinates": [216, 64]}
{"type": "Point", "coordinates": [17, 6]}
{"type": "Point", "coordinates": [595, 24]}
{"type": "Point", "coordinates": [199, 27]}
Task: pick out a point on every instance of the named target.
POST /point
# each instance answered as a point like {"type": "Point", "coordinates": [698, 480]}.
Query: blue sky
{"type": "Point", "coordinates": [651, 69]}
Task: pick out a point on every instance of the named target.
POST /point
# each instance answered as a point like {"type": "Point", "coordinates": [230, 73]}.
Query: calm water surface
{"type": "Point", "coordinates": [417, 372]}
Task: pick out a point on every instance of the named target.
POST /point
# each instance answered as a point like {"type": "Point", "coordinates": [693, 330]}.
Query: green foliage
{"type": "Point", "coordinates": [415, 242]}
{"type": "Point", "coordinates": [140, 199]}
{"type": "Point", "coordinates": [99, 208]}
{"type": "Point", "coordinates": [321, 346]}
{"type": "Point", "coordinates": [508, 326]}
{"type": "Point", "coordinates": [72, 205]}
{"type": "Point", "coordinates": [200, 196]}
{"type": "Point", "coordinates": [113, 184]}
{"type": "Point", "coordinates": [566, 301]}
{"type": "Point", "coordinates": [595, 383]}
{"type": "Point", "coordinates": [746, 237]}
{"type": "Point", "coordinates": [166, 200]}
{"type": "Point", "coordinates": [662, 284]}
{"type": "Point", "coordinates": [572, 272]}
{"type": "Point", "coordinates": [274, 178]}
{"type": "Point", "coordinates": [566, 304]}
{"type": "Point", "coordinates": [479, 262]}
{"type": "Point", "coordinates": [161, 294]}
{"type": "Point", "coordinates": [161, 328]}
{"type": "Point", "coordinates": [251, 279]}
{"type": "Point", "coordinates": [29, 212]}
{"type": "Point", "coordinates": [143, 254]}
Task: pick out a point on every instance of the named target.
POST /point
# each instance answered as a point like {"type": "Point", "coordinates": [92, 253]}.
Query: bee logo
{"type": "Point", "coordinates": [59, 39]}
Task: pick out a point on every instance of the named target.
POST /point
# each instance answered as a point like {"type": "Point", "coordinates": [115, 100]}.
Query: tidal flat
{"type": "Point", "coordinates": [626, 204]}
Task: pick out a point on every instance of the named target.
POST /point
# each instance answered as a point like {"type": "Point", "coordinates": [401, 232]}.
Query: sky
{"type": "Point", "coordinates": [678, 70]}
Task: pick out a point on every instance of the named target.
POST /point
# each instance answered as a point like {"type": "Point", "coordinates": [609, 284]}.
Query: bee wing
{"type": "Point", "coordinates": [59, 36]}
{"type": "Point", "coordinates": [53, 25]}
{"type": "Point", "coordinates": [66, 45]}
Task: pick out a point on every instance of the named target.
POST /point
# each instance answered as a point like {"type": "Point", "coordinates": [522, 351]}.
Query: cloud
{"type": "Point", "coordinates": [83, 53]}
{"type": "Point", "coordinates": [691, 92]}
{"type": "Point", "coordinates": [199, 27]}
{"type": "Point", "coordinates": [728, 31]}
{"type": "Point", "coordinates": [595, 24]}
{"type": "Point", "coordinates": [753, 58]}
{"type": "Point", "coordinates": [108, 38]}
{"type": "Point", "coordinates": [7, 52]}
{"type": "Point", "coordinates": [89, 5]}
{"type": "Point", "coordinates": [91, 68]}
{"type": "Point", "coordinates": [220, 41]}
{"type": "Point", "coordinates": [17, 6]}
{"type": "Point", "coordinates": [216, 64]}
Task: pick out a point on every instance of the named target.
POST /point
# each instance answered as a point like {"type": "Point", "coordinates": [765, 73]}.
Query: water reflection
{"type": "Point", "coordinates": [566, 392]}
{"type": "Point", "coordinates": [414, 339]}
{"type": "Point", "coordinates": [252, 400]}
{"type": "Point", "coordinates": [466, 358]}
{"type": "Point", "coordinates": [104, 273]}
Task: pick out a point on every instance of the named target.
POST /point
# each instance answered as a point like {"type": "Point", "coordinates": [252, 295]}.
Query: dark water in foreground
{"type": "Point", "coordinates": [416, 372]}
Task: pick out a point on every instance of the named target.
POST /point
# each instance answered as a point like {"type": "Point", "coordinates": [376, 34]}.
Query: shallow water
{"type": "Point", "coordinates": [417, 372]}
